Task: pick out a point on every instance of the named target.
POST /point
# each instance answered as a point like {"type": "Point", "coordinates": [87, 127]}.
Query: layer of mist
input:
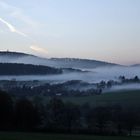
{"type": "Point", "coordinates": [93, 71]}
{"type": "Point", "coordinates": [123, 87]}
{"type": "Point", "coordinates": [13, 57]}
{"type": "Point", "coordinates": [91, 76]}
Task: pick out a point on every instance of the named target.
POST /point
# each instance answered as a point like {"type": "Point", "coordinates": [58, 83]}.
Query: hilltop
{"type": "Point", "coordinates": [18, 57]}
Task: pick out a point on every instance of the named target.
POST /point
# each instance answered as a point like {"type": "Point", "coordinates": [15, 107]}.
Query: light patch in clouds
{"type": "Point", "coordinates": [12, 28]}
{"type": "Point", "coordinates": [39, 49]}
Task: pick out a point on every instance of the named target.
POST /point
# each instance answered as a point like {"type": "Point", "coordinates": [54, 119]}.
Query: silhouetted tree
{"type": "Point", "coordinates": [117, 118]}
{"type": "Point", "coordinates": [54, 114]}
{"type": "Point", "coordinates": [26, 115]}
{"type": "Point", "coordinates": [131, 119]}
{"type": "Point", "coordinates": [109, 84]}
{"type": "Point", "coordinates": [6, 111]}
{"type": "Point", "coordinates": [136, 79]}
{"type": "Point", "coordinates": [122, 78]}
{"type": "Point", "coordinates": [71, 118]}
{"type": "Point", "coordinates": [98, 119]}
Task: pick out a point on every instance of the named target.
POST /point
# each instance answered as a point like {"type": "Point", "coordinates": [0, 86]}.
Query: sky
{"type": "Point", "coordinates": [107, 30]}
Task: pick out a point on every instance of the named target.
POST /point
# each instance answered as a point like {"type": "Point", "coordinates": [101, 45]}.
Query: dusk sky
{"type": "Point", "coordinates": [107, 30]}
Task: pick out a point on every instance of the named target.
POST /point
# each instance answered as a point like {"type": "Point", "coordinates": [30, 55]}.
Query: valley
{"type": "Point", "coordinates": [60, 95]}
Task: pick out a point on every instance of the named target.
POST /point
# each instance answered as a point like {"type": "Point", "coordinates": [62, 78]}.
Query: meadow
{"type": "Point", "coordinates": [129, 98]}
{"type": "Point", "coordinates": [37, 136]}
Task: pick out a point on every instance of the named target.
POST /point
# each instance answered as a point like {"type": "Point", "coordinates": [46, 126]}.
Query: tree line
{"type": "Point", "coordinates": [21, 114]}
{"type": "Point", "coordinates": [26, 69]}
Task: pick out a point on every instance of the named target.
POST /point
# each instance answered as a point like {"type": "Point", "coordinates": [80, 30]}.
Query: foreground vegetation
{"type": "Point", "coordinates": [33, 136]}
{"type": "Point", "coordinates": [58, 116]}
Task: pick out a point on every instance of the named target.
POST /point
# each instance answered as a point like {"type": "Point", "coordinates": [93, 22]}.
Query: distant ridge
{"type": "Point", "coordinates": [83, 63]}
{"type": "Point", "coordinates": [27, 69]}
{"type": "Point", "coordinates": [14, 54]}
{"type": "Point", "coordinates": [135, 65]}
{"type": "Point", "coordinates": [19, 57]}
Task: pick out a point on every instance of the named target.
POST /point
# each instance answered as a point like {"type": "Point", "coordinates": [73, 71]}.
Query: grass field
{"type": "Point", "coordinates": [124, 98]}
{"type": "Point", "coordinates": [33, 136]}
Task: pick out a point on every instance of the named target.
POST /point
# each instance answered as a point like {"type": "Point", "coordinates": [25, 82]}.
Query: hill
{"type": "Point", "coordinates": [80, 63]}
{"type": "Point", "coordinates": [26, 69]}
{"type": "Point", "coordinates": [135, 65]}
{"type": "Point", "coordinates": [16, 57]}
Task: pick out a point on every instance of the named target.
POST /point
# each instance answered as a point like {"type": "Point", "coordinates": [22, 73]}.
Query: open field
{"type": "Point", "coordinates": [33, 136]}
{"type": "Point", "coordinates": [124, 98]}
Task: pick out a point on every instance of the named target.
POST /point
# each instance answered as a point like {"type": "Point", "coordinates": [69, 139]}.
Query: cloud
{"type": "Point", "coordinates": [18, 14]}
{"type": "Point", "coordinates": [39, 49]}
{"type": "Point", "coordinates": [23, 22]}
{"type": "Point", "coordinates": [12, 28]}
{"type": "Point", "coordinates": [6, 6]}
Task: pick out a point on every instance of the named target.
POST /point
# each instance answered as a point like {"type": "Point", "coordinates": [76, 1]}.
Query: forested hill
{"type": "Point", "coordinates": [14, 54]}
{"type": "Point", "coordinates": [17, 57]}
{"type": "Point", "coordinates": [26, 69]}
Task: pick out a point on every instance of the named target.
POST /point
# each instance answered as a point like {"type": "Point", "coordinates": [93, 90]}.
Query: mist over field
{"type": "Point", "coordinates": [124, 87]}
{"type": "Point", "coordinates": [112, 73]}
{"type": "Point", "coordinates": [90, 75]}
{"type": "Point", "coordinates": [13, 57]}
{"type": "Point", "coordinates": [88, 71]}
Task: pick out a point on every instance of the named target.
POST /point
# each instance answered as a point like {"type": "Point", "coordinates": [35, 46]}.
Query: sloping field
{"type": "Point", "coordinates": [124, 98]}
{"type": "Point", "coordinates": [33, 136]}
